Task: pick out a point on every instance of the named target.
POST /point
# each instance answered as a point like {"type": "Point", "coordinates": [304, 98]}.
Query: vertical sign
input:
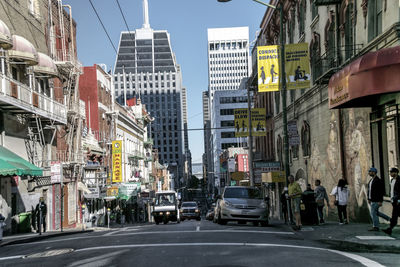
{"type": "Point", "coordinates": [297, 66]}
{"type": "Point", "coordinates": [268, 68]}
{"type": "Point", "coordinates": [258, 122]}
{"type": "Point", "coordinates": [55, 172]}
{"type": "Point", "coordinates": [241, 121]}
{"type": "Point", "coordinates": [117, 161]}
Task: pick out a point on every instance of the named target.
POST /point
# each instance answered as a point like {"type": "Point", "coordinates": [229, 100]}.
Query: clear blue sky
{"type": "Point", "coordinates": [186, 21]}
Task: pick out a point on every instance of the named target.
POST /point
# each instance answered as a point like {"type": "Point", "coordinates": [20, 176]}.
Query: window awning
{"type": "Point", "coordinates": [46, 65]}
{"type": "Point", "coordinates": [23, 50]}
{"type": "Point", "coordinates": [370, 75]}
{"type": "Point", "coordinates": [12, 164]}
{"type": "Point", "coordinates": [5, 36]}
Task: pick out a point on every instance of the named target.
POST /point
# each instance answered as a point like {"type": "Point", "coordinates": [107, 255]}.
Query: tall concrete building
{"type": "Point", "coordinates": [146, 68]}
{"type": "Point", "coordinates": [228, 64]}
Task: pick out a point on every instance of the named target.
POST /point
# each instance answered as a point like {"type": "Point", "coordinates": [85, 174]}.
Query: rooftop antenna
{"type": "Point", "coordinates": [146, 23]}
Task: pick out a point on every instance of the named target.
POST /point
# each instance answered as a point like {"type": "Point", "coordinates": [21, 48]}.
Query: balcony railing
{"type": "Point", "coordinates": [65, 156]}
{"type": "Point", "coordinates": [136, 155]}
{"type": "Point", "coordinates": [148, 142]}
{"type": "Point", "coordinates": [330, 62]}
{"type": "Point", "coordinates": [17, 94]}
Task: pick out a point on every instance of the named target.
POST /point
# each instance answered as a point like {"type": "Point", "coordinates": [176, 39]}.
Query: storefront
{"type": "Point", "coordinates": [372, 81]}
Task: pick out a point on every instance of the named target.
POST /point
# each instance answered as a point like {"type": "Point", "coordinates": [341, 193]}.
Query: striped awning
{"type": "Point", "coordinates": [23, 50]}
{"type": "Point", "coordinates": [46, 65]}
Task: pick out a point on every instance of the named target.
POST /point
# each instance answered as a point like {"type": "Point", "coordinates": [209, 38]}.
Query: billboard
{"type": "Point", "coordinates": [258, 122]}
{"type": "Point", "coordinates": [268, 68]}
{"type": "Point", "coordinates": [297, 66]}
{"type": "Point", "coordinates": [117, 161]}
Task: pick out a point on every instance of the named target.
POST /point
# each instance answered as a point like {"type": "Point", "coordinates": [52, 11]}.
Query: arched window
{"type": "Point", "coordinates": [302, 16]}
{"type": "Point", "coordinates": [374, 18]}
{"type": "Point", "coordinates": [348, 30]}
{"type": "Point", "coordinates": [306, 139]}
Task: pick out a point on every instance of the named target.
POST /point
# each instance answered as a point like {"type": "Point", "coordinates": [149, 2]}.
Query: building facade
{"type": "Point", "coordinates": [146, 68]}
{"type": "Point", "coordinates": [346, 122]}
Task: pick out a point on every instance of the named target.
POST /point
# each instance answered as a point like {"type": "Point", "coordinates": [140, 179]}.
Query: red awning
{"type": "Point", "coordinates": [23, 50]}
{"type": "Point", "coordinates": [370, 75]}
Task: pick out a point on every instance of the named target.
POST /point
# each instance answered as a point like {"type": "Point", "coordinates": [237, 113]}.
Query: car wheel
{"type": "Point", "coordinates": [255, 223]}
{"type": "Point", "coordinates": [264, 223]}
{"type": "Point", "coordinates": [220, 221]}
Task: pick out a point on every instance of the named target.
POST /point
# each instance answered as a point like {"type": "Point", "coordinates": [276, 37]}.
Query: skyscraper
{"type": "Point", "coordinates": [228, 64]}
{"type": "Point", "coordinates": [146, 68]}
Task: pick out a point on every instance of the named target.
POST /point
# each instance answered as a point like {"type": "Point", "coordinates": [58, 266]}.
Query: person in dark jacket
{"type": "Point", "coordinates": [395, 197]}
{"type": "Point", "coordinates": [41, 212]}
{"type": "Point", "coordinates": [376, 191]}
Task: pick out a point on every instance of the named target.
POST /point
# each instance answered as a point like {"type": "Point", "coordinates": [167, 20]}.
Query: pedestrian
{"type": "Point", "coordinates": [294, 191]}
{"type": "Point", "coordinates": [395, 198]}
{"type": "Point", "coordinates": [41, 212]}
{"type": "Point", "coordinates": [320, 197]}
{"type": "Point", "coordinates": [284, 198]}
{"type": "Point", "coordinates": [310, 212]}
{"type": "Point", "coordinates": [376, 191]}
{"type": "Point", "coordinates": [341, 193]}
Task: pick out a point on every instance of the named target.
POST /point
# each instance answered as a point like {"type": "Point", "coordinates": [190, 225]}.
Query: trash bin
{"type": "Point", "coordinates": [24, 225]}
{"type": "Point", "coordinates": [2, 226]}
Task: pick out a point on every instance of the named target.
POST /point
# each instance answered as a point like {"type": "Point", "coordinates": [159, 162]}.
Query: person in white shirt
{"type": "Point", "coordinates": [341, 194]}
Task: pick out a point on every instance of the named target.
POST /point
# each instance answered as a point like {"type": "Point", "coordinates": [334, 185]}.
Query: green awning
{"type": "Point", "coordinates": [12, 164]}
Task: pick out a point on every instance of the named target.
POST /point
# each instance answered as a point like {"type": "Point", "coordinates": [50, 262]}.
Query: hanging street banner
{"type": "Point", "coordinates": [268, 68]}
{"type": "Point", "coordinates": [117, 161]}
{"type": "Point", "coordinates": [258, 122]}
{"type": "Point", "coordinates": [297, 66]}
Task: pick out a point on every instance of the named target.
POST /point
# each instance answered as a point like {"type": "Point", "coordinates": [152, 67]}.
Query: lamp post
{"type": "Point", "coordinates": [283, 89]}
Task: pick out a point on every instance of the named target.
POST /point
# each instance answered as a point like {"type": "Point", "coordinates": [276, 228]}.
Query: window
{"type": "Point", "coordinates": [302, 16]}
{"type": "Point", "coordinates": [228, 135]}
{"type": "Point", "coordinates": [374, 18]}
{"type": "Point", "coordinates": [224, 112]}
{"type": "Point", "coordinates": [349, 51]}
{"type": "Point", "coordinates": [306, 139]}
{"type": "Point", "coordinates": [314, 10]}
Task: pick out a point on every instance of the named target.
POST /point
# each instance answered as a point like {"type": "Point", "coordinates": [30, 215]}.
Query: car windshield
{"type": "Point", "coordinates": [165, 199]}
{"type": "Point", "coordinates": [189, 204]}
{"type": "Point", "coordinates": [251, 193]}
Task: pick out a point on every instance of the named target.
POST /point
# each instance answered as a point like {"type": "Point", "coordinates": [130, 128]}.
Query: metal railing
{"type": "Point", "coordinates": [24, 97]}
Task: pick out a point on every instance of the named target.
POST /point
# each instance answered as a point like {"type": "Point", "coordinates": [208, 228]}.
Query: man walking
{"type": "Point", "coordinates": [295, 197]}
{"type": "Point", "coordinates": [41, 212]}
{"type": "Point", "coordinates": [395, 197]}
{"type": "Point", "coordinates": [376, 191]}
{"type": "Point", "coordinates": [320, 196]}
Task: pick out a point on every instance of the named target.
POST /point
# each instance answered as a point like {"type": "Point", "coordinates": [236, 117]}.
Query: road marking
{"type": "Point", "coordinates": [374, 237]}
{"type": "Point", "coordinates": [197, 228]}
{"type": "Point", "coordinates": [364, 261]}
{"type": "Point", "coordinates": [11, 257]}
{"type": "Point", "coordinates": [120, 233]}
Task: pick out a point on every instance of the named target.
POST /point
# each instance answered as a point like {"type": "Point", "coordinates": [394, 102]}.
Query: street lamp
{"type": "Point", "coordinates": [284, 93]}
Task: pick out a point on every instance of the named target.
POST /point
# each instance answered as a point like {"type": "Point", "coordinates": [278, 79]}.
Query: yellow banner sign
{"type": "Point", "coordinates": [117, 161]}
{"type": "Point", "coordinates": [268, 68]}
{"type": "Point", "coordinates": [237, 176]}
{"type": "Point", "coordinates": [273, 177]}
{"type": "Point", "coordinates": [297, 66]}
{"type": "Point", "coordinates": [112, 191]}
{"type": "Point", "coordinates": [258, 122]}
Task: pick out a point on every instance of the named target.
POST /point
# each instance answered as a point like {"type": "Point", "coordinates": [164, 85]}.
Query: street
{"type": "Point", "coordinates": [190, 243]}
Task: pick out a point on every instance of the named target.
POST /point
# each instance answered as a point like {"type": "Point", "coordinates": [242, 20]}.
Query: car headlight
{"type": "Point", "coordinates": [161, 213]}
{"type": "Point", "coordinates": [262, 205]}
{"type": "Point", "coordinates": [168, 213]}
{"type": "Point", "coordinates": [229, 204]}
{"type": "Point", "coordinates": [196, 210]}
{"type": "Point", "coordinates": [181, 210]}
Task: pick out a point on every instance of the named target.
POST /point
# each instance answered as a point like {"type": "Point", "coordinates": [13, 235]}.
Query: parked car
{"type": "Point", "coordinates": [190, 210]}
{"type": "Point", "coordinates": [242, 204]}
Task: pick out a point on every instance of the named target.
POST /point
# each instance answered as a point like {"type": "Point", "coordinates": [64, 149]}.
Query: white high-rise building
{"type": "Point", "coordinates": [228, 63]}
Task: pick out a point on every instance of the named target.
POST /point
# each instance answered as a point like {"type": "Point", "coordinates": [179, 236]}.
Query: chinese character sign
{"type": "Point", "coordinates": [268, 68]}
{"type": "Point", "coordinates": [117, 161]}
{"type": "Point", "coordinates": [297, 66]}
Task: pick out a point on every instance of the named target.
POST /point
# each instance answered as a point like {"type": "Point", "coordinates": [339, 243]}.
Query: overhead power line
{"type": "Point", "coordinates": [104, 28]}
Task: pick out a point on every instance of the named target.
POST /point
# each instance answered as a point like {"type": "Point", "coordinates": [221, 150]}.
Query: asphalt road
{"type": "Point", "coordinates": [190, 243]}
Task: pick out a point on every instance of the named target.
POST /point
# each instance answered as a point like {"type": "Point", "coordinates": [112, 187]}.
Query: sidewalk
{"type": "Point", "coordinates": [32, 237]}
{"type": "Point", "coordinates": [354, 237]}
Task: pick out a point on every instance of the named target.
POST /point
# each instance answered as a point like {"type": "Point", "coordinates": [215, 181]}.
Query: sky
{"type": "Point", "coordinates": [186, 21]}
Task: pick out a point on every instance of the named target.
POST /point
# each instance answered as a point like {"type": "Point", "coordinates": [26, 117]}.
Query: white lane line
{"type": "Point", "coordinates": [11, 257]}
{"type": "Point", "coordinates": [197, 228]}
{"type": "Point", "coordinates": [364, 261]}
{"type": "Point", "coordinates": [115, 234]}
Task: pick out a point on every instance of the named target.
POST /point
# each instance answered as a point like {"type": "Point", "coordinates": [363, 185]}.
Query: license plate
{"type": "Point", "coordinates": [244, 212]}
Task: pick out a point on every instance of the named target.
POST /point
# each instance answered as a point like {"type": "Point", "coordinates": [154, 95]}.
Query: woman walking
{"type": "Point", "coordinates": [341, 194]}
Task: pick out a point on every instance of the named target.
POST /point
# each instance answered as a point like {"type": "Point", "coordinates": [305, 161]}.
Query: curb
{"type": "Point", "coordinates": [359, 247]}
{"type": "Point", "coordinates": [41, 237]}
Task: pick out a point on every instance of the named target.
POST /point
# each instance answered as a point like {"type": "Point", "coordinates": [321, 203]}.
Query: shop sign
{"type": "Point", "coordinates": [55, 172]}
{"type": "Point", "coordinates": [231, 165]}
{"type": "Point", "coordinates": [273, 177]}
{"type": "Point", "coordinates": [237, 176]}
{"type": "Point", "coordinates": [117, 161]}
{"type": "Point", "coordinates": [112, 191]}
{"type": "Point", "coordinates": [294, 138]}
{"type": "Point", "coordinates": [94, 193]}
{"type": "Point", "coordinates": [267, 165]}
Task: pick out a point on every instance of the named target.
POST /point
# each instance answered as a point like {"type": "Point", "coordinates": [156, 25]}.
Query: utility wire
{"type": "Point", "coordinates": [123, 16]}
{"type": "Point", "coordinates": [104, 28]}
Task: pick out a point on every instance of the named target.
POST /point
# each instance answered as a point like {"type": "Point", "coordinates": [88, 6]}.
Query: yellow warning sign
{"type": "Point", "coordinates": [258, 122]}
{"type": "Point", "coordinates": [268, 68]}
